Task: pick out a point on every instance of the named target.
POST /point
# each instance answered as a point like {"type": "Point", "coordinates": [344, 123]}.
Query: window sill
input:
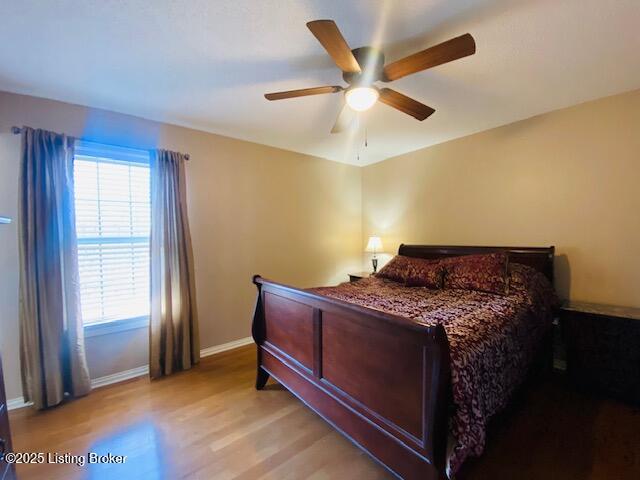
{"type": "Point", "coordinates": [114, 326]}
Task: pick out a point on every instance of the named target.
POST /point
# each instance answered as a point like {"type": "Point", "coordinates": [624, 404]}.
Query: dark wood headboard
{"type": "Point", "coordinates": [540, 258]}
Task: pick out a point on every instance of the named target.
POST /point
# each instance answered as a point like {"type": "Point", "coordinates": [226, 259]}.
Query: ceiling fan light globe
{"type": "Point", "coordinates": [361, 98]}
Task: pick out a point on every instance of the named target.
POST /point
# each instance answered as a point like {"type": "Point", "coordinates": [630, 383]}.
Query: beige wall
{"type": "Point", "coordinates": [252, 208]}
{"type": "Point", "coordinates": [569, 178]}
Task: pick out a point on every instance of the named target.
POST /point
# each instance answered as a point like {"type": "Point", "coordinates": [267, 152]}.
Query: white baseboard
{"type": "Point", "coordinates": [19, 402]}
{"type": "Point", "coordinates": [120, 376]}
{"type": "Point", "coordinates": [205, 352]}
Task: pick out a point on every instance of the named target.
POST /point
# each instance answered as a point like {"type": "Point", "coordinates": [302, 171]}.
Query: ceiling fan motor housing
{"type": "Point", "coordinates": [371, 61]}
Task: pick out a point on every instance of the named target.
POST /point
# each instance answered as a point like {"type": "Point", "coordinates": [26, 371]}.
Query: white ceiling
{"type": "Point", "coordinates": [207, 63]}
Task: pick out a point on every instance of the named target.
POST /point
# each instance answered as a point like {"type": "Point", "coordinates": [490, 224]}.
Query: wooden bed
{"type": "Point", "coordinates": [381, 380]}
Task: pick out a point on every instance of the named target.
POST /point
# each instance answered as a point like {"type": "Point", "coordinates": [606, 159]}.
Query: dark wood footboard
{"type": "Point", "coordinates": [380, 379]}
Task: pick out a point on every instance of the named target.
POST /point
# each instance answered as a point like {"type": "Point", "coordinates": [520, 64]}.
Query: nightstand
{"type": "Point", "coordinates": [354, 277]}
{"type": "Point", "coordinates": [603, 348]}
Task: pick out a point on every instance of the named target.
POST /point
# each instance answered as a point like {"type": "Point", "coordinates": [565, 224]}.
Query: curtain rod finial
{"type": "Point", "coordinates": [16, 130]}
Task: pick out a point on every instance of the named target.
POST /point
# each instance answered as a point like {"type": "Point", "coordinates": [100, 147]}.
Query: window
{"type": "Point", "coordinates": [112, 200]}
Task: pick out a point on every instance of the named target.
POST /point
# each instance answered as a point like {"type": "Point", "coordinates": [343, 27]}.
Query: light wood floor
{"type": "Point", "coordinates": [209, 423]}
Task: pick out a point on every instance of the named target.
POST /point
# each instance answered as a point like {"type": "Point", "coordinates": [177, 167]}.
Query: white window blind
{"type": "Point", "coordinates": [112, 201]}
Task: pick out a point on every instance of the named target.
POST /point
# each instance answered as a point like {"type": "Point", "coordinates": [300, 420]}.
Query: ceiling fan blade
{"type": "Point", "coordinates": [327, 33]}
{"type": "Point", "coordinates": [442, 53]}
{"type": "Point", "coordinates": [347, 119]}
{"type": "Point", "coordinates": [405, 104]}
{"type": "Point", "coordinates": [303, 92]}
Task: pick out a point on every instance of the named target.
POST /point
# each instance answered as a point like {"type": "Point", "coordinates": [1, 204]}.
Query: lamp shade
{"type": "Point", "coordinates": [374, 245]}
{"type": "Point", "coordinates": [361, 98]}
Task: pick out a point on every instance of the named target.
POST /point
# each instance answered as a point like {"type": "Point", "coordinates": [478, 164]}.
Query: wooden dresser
{"type": "Point", "coordinates": [603, 348]}
{"type": "Point", "coordinates": [7, 472]}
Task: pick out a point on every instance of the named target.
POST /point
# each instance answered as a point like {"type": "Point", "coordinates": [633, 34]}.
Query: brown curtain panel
{"type": "Point", "coordinates": [174, 337]}
{"type": "Point", "coordinates": [51, 333]}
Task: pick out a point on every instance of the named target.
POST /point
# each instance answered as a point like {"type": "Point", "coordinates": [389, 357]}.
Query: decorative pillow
{"type": "Point", "coordinates": [484, 273]}
{"type": "Point", "coordinates": [397, 269]}
{"type": "Point", "coordinates": [534, 285]}
{"type": "Point", "coordinates": [521, 277]}
{"type": "Point", "coordinates": [425, 273]}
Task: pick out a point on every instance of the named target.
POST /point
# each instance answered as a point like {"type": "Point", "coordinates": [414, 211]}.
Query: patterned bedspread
{"type": "Point", "coordinates": [492, 339]}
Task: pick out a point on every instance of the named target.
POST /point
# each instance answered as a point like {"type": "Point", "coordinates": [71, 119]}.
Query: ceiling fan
{"type": "Point", "coordinates": [362, 67]}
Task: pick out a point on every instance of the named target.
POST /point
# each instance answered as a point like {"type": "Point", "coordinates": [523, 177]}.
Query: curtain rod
{"type": "Point", "coordinates": [17, 130]}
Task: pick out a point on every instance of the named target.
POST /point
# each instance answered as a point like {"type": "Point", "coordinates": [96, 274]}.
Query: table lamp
{"type": "Point", "coordinates": [374, 245]}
